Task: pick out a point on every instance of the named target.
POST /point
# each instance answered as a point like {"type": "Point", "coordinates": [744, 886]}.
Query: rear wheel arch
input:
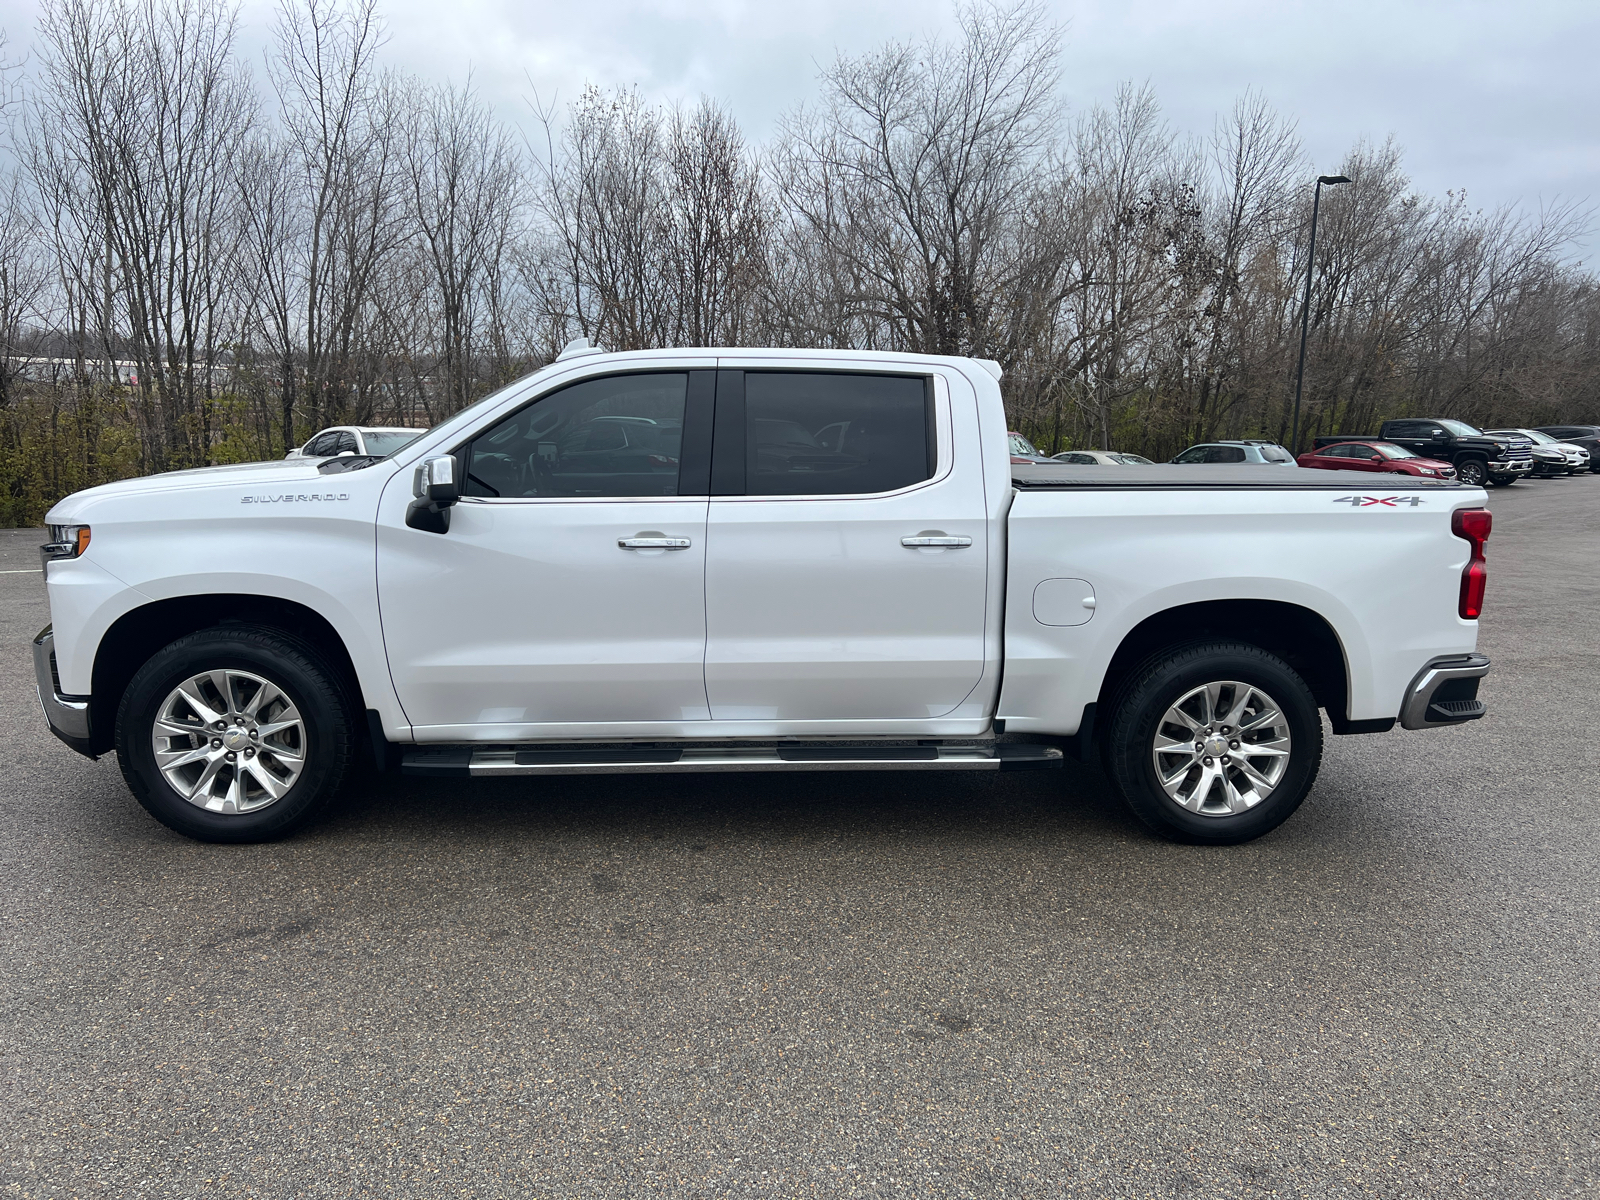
{"type": "Point", "coordinates": [1301, 637]}
{"type": "Point", "coordinates": [137, 635]}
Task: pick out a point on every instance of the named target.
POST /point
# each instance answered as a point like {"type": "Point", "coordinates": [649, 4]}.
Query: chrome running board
{"type": "Point", "coordinates": [463, 761]}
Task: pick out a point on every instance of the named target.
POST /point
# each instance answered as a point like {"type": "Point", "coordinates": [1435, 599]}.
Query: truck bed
{"type": "Point", "coordinates": [1166, 476]}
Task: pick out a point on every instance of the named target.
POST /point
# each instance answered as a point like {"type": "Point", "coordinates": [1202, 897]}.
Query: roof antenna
{"type": "Point", "coordinates": [578, 347]}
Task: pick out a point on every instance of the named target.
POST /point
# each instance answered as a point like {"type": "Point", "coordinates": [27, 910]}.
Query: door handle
{"type": "Point", "coordinates": [934, 540]}
{"type": "Point", "coordinates": [653, 543]}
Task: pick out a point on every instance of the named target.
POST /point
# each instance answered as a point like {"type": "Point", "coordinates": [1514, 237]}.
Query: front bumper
{"type": "Point", "coordinates": [1445, 692]}
{"type": "Point", "coordinates": [68, 716]}
{"type": "Point", "coordinates": [1515, 466]}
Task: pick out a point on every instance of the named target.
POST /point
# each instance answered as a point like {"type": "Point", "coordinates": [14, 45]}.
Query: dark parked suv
{"type": "Point", "coordinates": [1587, 436]}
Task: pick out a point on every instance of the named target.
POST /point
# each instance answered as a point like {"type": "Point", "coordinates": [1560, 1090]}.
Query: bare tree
{"type": "Point", "coordinates": [717, 222]}
{"type": "Point", "coordinates": [601, 194]}
{"type": "Point", "coordinates": [341, 119]}
{"type": "Point", "coordinates": [463, 188]}
{"type": "Point", "coordinates": [136, 127]}
{"type": "Point", "coordinates": [24, 276]}
{"type": "Point", "coordinates": [912, 179]}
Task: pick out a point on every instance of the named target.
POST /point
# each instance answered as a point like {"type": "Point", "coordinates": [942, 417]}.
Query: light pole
{"type": "Point", "coordinates": [1305, 312]}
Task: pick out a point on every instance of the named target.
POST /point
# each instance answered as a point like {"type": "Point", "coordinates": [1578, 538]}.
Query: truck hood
{"type": "Point", "coordinates": [295, 471]}
{"type": "Point", "coordinates": [1490, 440]}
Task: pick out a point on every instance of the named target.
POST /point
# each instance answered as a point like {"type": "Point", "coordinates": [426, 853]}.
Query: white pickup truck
{"type": "Point", "coordinates": [750, 560]}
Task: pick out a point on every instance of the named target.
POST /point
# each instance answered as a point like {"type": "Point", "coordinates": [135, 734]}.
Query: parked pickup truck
{"type": "Point", "coordinates": [1478, 457]}
{"type": "Point", "coordinates": [750, 560]}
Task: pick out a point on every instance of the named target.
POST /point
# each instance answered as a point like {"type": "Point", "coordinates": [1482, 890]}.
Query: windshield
{"type": "Point", "coordinates": [1390, 450]}
{"type": "Point", "coordinates": [387, 443]}
{"type": "Point", "coordinates": [1276, 454]}
{"type": "Point", "coordinates": [1543, 439]}
{"type": "Point", "coordinates": [1021, 445]}
{"type": "Point", "coordinates": [1133, 460]}
{"type": "Point", "coordinates": [1460, 428]}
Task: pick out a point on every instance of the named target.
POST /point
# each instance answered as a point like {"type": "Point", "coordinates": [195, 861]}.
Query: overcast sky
{"type": "Point", "coordinates": [1501, 99]}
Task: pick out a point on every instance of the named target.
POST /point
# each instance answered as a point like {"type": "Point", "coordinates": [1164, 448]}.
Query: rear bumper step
{"type": "Point", "coordinates": [1445, 692]}
{"type": "Point", "coordinates": [458, 762]}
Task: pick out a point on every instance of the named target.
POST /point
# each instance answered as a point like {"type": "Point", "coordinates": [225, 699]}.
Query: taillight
{"type": "Point", "coordinates": [1473, 524]}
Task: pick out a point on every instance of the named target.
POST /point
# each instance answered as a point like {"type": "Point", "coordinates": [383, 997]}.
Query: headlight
{"type": "Point", "coordinates": [66, 541]}
{"type": "Point", "coordinates": [1427, 470]}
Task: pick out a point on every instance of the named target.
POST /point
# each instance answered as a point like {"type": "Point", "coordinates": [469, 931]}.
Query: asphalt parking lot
{"type": "Point", "coordinates": [873, 985]}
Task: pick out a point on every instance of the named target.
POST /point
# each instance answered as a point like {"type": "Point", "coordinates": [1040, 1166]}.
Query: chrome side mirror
{"type": "Point", "coordinates": [435, 488]}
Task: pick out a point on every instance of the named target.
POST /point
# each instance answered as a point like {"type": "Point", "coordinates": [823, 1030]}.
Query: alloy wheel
{"type": "Point", "coordinates": [229, 741]}
{"type": "Point", "coordinates": [1220, 749]}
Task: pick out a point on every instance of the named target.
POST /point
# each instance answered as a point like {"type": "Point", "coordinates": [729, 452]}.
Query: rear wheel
{"type": "Point", "coordinates": [234, 735]}
{"type": "Point", "coordinates": [1214, 743]}
{"type": "Point", "coordinates": [1473, 471]}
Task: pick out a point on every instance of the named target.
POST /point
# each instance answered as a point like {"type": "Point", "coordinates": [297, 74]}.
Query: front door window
{"type": "Point", "coordinates": [616, 436]}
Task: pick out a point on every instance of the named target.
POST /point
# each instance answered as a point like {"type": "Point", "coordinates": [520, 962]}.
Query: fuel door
{"type": "Point", "coordinates": [1063, 602]}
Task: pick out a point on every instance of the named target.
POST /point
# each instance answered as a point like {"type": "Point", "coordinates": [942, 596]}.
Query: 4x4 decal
{"type": "Point", "coordinates": [1387, 501]}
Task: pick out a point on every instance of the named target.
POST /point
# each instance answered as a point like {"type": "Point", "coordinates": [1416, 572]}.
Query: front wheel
{"type": "Point", "coordinates": [1472, 471]}
{"type": "Point", "coordinates": [234, 734]}
{"type": "Point", "coordinates": [1215, 743]}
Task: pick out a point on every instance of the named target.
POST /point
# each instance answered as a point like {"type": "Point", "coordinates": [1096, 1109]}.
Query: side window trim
{"type": "Point", "coordinates": [694, 454]}
{"type": "Point", "coordinates": [728, 439]}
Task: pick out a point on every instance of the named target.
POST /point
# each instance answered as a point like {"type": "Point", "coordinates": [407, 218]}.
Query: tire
{"type": "Point", "coordinates": [1226, 674]}
{"type": "Point", "coordinates": [283, 701]}
{"type": "Point", "coordinates": [1472, 471]}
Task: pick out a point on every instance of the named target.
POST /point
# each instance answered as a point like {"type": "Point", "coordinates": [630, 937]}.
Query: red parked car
{"type": "Point", "coordinates": [1375, 456]}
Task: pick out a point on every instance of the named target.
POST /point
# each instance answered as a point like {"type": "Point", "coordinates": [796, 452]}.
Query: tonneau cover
{"type": "Point", "coordinates": [1201, 476]}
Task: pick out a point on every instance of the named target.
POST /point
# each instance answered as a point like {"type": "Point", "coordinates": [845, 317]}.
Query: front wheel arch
{"type": "Point", "coordinates": [138, 634]}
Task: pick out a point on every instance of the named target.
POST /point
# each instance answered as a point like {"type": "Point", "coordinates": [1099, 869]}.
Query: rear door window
{"type": "Point", "coordinates": [1224, 454]}
{"type": "Point", "coordinates": [825, 433]}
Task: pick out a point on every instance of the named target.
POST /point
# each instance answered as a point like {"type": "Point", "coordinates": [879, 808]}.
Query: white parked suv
{"type": "Point", "coordinates": [1577, 457]}
{"type": "Point", "coordinates": [355, 439]}
{"type": "Point", "coordinates": [1101, 458]}
{"type": "Point", "coordinates": [750, 560]}
{"type": "Point", "coordinates": [1247, 450]}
